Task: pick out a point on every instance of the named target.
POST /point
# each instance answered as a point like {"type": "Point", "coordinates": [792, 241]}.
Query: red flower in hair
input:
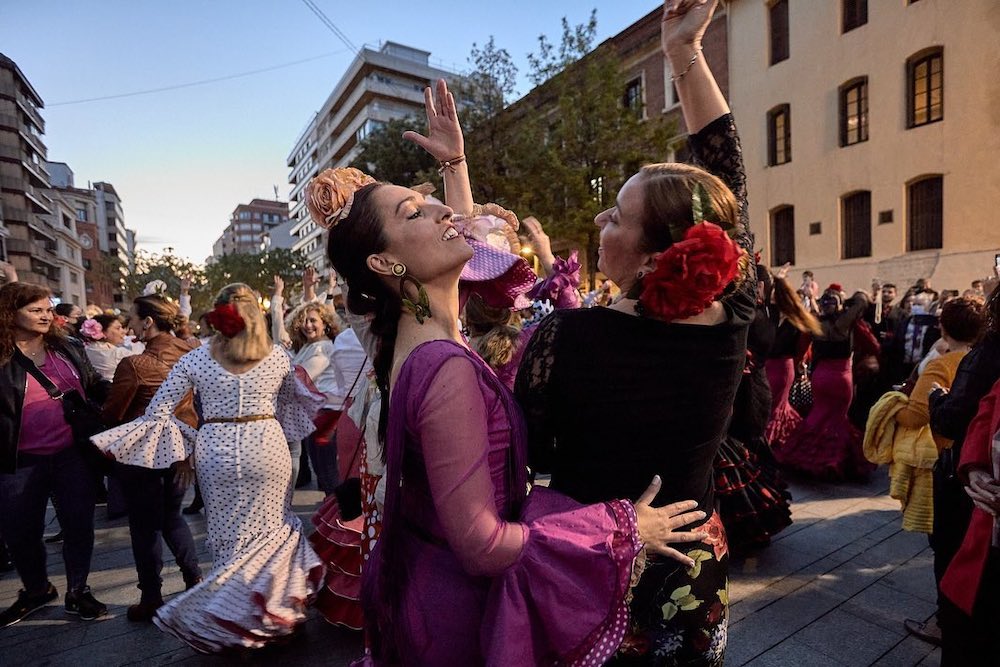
{"type": "Point", "coordinates": [836, 287]}
{"type": "Point", "coordinates": [691, 273]}
{"type": "Point", "coordinates": [226, 319]}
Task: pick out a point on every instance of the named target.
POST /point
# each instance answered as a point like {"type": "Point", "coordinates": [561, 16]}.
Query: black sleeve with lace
{"type": "Point", "coordinates": [717, 150]}
{"type": "Point", "coordinates": [534, 392]}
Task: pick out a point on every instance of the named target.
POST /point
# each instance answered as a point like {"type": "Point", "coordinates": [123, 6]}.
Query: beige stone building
{"type": "Point", "coordinates": [871, 135]}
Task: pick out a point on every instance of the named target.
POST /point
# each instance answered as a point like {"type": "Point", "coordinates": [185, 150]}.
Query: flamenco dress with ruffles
{"type": "Point", "coordinates": [827, 445]}
{"type": "Point", "coordinates": [263, 570]}
{"type": "Point", "coordinates": [782, 359]}
{"type": "Point", "coordinates": [467, 570]}
{"type": "Point", "coordinates": [752, 497]}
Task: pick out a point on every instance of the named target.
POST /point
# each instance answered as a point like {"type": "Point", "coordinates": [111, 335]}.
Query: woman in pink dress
{"type": "Point", "coordinates": [467, 570]}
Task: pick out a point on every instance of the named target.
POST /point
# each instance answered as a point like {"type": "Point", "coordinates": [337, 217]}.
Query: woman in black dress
{"type": "Point", "coordinates": [664, 382]}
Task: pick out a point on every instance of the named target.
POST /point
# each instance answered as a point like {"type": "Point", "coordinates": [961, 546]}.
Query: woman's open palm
{"type": "Point", "coordinates": [444, 138]}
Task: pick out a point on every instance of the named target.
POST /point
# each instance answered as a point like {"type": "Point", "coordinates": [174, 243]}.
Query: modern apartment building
{"type": "Point", "coordinates": [869, 131]}
{"type": "Point", "coordinates": [247, 226]}
{"type": "Point", "coordinates": [112, 238]}
{"type": "Point", "coordinates": [27, 239]}
{"type": "Point", "coordinates": [378, 86]}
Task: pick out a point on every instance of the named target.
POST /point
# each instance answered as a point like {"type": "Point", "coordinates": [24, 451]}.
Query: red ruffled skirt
{"type": "Point", "coordinates": [784, 418]}
{"type": "Point", "coordinates": [338, 543]}
{"type": "Point", "coordinates": [827, 445]}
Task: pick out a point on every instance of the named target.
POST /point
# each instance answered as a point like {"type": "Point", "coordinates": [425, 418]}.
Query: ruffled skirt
{"type": "Point", "coordinates": [753, 499]}
{"type": "Point", "coordinates": [827, 445]}
{"type": "Point", "coordinates": [338, 543]}
{"type": "Point", "coordinates": [784, 419]}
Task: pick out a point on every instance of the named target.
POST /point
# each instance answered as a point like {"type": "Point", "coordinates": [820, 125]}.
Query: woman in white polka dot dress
{"type": "Point", "coordinates": [253, 402]}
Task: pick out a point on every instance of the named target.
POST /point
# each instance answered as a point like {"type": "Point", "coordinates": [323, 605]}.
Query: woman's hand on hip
{"type": "Point", "coordinates": [658, 526]}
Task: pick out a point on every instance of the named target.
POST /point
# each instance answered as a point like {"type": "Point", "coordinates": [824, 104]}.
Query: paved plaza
{"type": "Point", "coordinates": [833, 589]}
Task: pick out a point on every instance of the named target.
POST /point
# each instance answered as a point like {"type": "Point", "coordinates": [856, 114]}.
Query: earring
{"type": "Point", "coordinates": [398, 270]}
{"type": "Point", "coordinates": [421, 308]}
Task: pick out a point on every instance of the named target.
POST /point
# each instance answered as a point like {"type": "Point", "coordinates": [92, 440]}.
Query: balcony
{"type": "Point", "coordinates": [19, 246]}
{"type": "Point", "coordinates": [29, 108]}
{"type": "Point", "coordinates": [8, 122]}
{"type": "Point", "coordinates": [34, 140]}
{"type": "Point", "coordinates": [40, 202]}
{"type": "Point", "coordinates": [36, 171]}
{"type": "Point", "coordinates": [16, 214]}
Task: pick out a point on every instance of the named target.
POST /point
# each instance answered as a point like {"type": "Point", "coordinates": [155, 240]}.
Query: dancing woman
{"type": "Point", "coordinates": [467, 570]}
{"type": "Point", "coordinates": [263, 570]}
{"type": "Point", "coordinates": [827, 444]}
{"type": "Point", "coordinates": [793, 327]}
{"type": "Point", "coordinates": [662, 364]}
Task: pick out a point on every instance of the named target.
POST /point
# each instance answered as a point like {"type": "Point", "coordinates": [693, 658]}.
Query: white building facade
{"type": "Point", "coordinates": [869, 131]}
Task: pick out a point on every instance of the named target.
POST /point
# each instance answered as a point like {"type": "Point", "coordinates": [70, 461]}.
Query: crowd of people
{"type": "Point", "coordinates": [437, 390]}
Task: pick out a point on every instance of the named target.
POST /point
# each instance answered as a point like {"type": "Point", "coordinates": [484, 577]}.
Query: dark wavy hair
{"type": "Point", "coordinates": [14, 297]}
{"type": "Point", "coordinates": [166, 315]}
{"type": "Point", "coordinates": [964, 319]}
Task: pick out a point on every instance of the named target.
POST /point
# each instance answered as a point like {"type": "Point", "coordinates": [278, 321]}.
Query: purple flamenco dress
{"type": "Point", "coordinates": [470, 570]}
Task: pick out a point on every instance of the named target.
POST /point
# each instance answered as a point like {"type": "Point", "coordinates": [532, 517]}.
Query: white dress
{"type": "Point", "coordinates": [264, 571]}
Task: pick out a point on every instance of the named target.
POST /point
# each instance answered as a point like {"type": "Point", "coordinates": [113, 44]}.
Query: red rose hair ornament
{"type": "Point", "coordinates": [226, 319]}
{"type": "Point", "coordinates": [694, 271]}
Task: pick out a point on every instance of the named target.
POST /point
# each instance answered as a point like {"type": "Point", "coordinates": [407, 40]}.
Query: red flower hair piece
{"type": "Point", "coordinates": [691, 273]}
{"type": "Point", "coordinates": [226, 319]}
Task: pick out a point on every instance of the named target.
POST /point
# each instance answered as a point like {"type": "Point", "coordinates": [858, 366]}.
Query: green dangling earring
{"type": "Point", "coordinates": [421, 308]}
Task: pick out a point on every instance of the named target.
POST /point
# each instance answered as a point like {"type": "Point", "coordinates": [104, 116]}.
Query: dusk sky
{"type": "Point", "coordinates": [183, 159]}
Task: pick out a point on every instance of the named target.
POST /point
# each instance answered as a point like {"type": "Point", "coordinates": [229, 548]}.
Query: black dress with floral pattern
{"type": "Point", "coordinates": [612, 399]}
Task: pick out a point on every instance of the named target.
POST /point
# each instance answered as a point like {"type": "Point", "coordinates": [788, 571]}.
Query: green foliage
{"type": "Point", "coordinates": [387, 157]}
{"type": "Point", "coordinates": [257, 271]}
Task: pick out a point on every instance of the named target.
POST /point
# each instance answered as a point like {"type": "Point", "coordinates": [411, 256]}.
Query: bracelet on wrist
{"type": "Point", "coordinates": [694, 58]}
{"type": "Point", "coordinates": [451, 164]}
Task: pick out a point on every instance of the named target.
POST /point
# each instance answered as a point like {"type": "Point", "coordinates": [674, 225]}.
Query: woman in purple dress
{"type": "Point", "coordinates": [468, 570]}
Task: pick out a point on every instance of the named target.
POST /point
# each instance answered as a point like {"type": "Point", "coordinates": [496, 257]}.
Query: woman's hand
{"type": "Point", "coordinates": [540, 242]}
{"type": "Point", "coordinates": [279, 286]}
{"type": "Point", "coordinates": [183, 474]}
{"type": "Point", "coordinates": [684, 24]}
{"type": "Point", "coordinates": [984, 491]}
{"type": "Point", "coordinates": [185, 285]}
{"type": "Point", "coordinates": [935, 387]}
{"type": "Point", "coordinates": [309, 281]}
{"type": "Point", "coordinates": [444, 138]}
{"type": "Point", "coordinates": [657, 525]}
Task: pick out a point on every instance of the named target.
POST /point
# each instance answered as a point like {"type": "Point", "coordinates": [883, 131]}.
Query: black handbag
{"type": "Point", "coordinates": [82, 415]}
{"type": "Point", "coordinates": [800, 396]}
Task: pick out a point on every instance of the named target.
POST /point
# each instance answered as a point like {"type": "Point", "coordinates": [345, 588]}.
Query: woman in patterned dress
{"type": "Point", "coordinates": [253, 401]}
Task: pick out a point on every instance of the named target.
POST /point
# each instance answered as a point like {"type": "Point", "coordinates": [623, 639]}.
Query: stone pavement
{"type": "Point", "coordinates": [833, 589]}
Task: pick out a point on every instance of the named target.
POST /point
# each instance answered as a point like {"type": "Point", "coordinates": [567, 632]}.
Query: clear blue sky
{"type": "Point", "coordinates": [183, 159]}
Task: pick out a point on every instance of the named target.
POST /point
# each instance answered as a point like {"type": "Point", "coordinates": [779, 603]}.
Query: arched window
{"type": "Point", "coordinates": [856, 224]}
{"type": "Point", "coordinates": [925, 213]}
{"type": "Point", "coordinates": [783, 235]}
{"type": "Point", "coordinates": [779, 135]}
{"type": "Point", "coordinates": [925, 87]}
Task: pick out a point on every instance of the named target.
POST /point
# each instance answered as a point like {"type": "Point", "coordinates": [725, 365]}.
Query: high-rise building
{"type": "Point", "coordinates": [112, 238]}
{"type": "Point", "coordinates": [247, 226]}
{"type": "Point", "coordinates": [378, 86]}
{"type": "Point", "coordinates": [869, 132]}
{"type": "Point", "coordinates": [27, 239]}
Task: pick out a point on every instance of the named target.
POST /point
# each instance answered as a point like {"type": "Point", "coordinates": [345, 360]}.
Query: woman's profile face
{"type": "Point", "coordinates": [115, 333]}
{"type": "Point", "coordinates": [35, 318]}
{"type": "Point", "coordinates": [420, 234]}
{"type": "Point", "coordinates": [619, 255]}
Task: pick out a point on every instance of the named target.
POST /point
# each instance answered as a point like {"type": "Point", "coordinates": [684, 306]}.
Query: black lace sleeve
{"type": "Point", "coordinates": [534, 392]}
{"type": "Point", "coordinates": [717, 150]}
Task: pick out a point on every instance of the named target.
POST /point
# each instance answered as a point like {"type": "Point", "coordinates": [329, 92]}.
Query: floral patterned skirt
{"type": "Point", "coordinates": [680, 615]}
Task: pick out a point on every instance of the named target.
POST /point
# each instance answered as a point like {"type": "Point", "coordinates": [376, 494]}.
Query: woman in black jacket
{"type": "Point", "coordinates": [38, 458]}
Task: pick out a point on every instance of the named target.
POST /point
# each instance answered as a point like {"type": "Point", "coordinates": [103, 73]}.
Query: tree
{"type": "Point", "coordinates": [482, 96]}
{"type": "Point", "coordinates": [575, 141]}
{"type": "Point", "coordinates": [387, 157]}
{"type": "Point", "coordinates": [256, 270]}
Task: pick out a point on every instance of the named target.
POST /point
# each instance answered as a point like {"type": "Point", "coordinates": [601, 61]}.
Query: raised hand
{"type": "Point", "coordinates": [444, 138]}
{"type": "Point", "coordinates": [657, 526]}
{"type": "Point", "coordinates": [684, 23]}
{"type": "Point", "coordinates": [185, 285]}
{"type": "Point", "coordinates": [279, 285]}
{"type": "Point", "coordinates": [540, 243]}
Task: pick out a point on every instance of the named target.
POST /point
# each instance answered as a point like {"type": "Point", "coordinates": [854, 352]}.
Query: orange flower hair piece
{"type": "Point", "coordinates": [331, 194]}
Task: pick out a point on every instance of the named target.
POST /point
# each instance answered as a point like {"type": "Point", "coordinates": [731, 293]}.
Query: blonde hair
{"type": "Point", "coordinates": [295, 320]}
{"type": "Point", "coordinates": [251, 344]}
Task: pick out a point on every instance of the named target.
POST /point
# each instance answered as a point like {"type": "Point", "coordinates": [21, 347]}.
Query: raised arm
{"type": "Point", "coordinates": [681, 31]}
{"type": "Point", "coordinates": [446, 143]}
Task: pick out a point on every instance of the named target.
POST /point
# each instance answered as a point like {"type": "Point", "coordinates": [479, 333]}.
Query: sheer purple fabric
{"type": "Point", "coordinates": [453, 580]}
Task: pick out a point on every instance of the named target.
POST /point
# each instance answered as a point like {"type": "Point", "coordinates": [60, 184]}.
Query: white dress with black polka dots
{"type": "Point", "coordinates": [264, 571]}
